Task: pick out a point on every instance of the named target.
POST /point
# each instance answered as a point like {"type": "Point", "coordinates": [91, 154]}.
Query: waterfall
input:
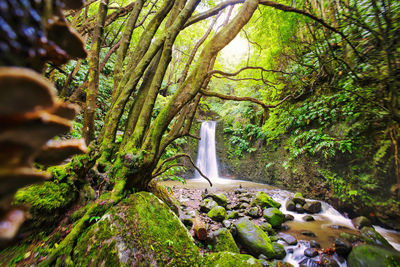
{"type": "Point", "coordinates": [206, 156]}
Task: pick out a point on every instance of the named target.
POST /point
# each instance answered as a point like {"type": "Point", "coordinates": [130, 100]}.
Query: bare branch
{"type": "Point", "coordinates": [213, 72]}
{"type": "Point", "coordinates": [166, 169]}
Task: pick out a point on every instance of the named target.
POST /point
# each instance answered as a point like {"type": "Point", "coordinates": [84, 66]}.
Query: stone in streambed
{"type": "Point", "coordinates": [253, 212]}
{"type": "Point", "coordinates": [289, 217]}
{"type": "Point", "coordinates": [314, 244]}
{"type": "Point", "coordinates": [308, 218]}
{"type": "Point", "coordinates": [299, 208]}
{"type": "Point", "coordinates": [310, 252]}
{"type": "Point", "coordinates": [267, 227]}
{"type": "Point", "coordinates": [342, 247]}
{"type": "Point", "coordinates": [229, 259]}
{"type": "Point", "coordinates": [299, 199]}
{"type": "Point", "coordinates": [253, 239]}
{"type": "Point", "coordinates": [312, 207]}
{"type": "Point", "coordinates": [233, 214]}
{"type": "Point", "coordinates": [279, 249]}
{"type": "Point", "coordinates": [219, 198]}
{"type": "Point", "coordinates": [222, 240]}
{"type": "Point", "coordinates": [274, 216]}
{"type": "Point", "coordinates": [308, 233]}
{"type": "Point", "coordinates": [290, 205]}
{"type": "Point", "coordinates": [207, 205]}
{"type": "Point", "coordinates": [264, 201]}
{"type": "Point", "coordinates": [373, 256]}
{"type": "Point", "coordinates": [361, 221]}
{"type": "Point", "coordinates": [289, 239]}
{"type": "Point", "coordinates": [371, 236]}
{"type": "Point", "coordinates": [218, 214]}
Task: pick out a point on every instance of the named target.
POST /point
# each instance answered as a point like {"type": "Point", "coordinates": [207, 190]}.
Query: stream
{"type": "Point", "coordinates": [328, 224]}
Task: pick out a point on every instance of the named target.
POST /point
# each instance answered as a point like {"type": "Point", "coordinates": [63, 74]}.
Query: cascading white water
{"type": "Point", "coordinates": [206, 155]}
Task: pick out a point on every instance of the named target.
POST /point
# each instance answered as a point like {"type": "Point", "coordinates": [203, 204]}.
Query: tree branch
{"type": "Point", "coordinates": [213, 72]}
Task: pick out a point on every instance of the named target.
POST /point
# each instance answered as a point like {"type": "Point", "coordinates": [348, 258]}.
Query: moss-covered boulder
{"type": "Point", "coordinates": [229, 259]}
{"type": "Point", "coordinates": [361, 221]}
{"type": "Point", "coordinates": [279, 249]}
{"type": "Point", "coordinates": [222, 240]}
{"type": "Point", "coordinates": [312, 207]}
{"type": "Point", "coordinates": [371, 236]}
{"type": "Point", "coordinates": [373, 256]}
{"type": "Point", "coordinates": [253, 212]}
{"type": "Point", "coordinates": [253, 239]}
{"type": "Point", "coordinates": [290, 205]}
{"type": "Point", "coordinates": [274, 216]}
{"type": "Point", "coordinates": [233, 214]}
{"type": "Point", "coordinates": [141, 230]}
{"type": "Point", "coordinates": [267, 227]}
{"type": "Point", "coordinates": [218, 214]}
{"type": "Point", "coordinates": [219, 198]}
{"type": "Point", "coordinates": [264, 201]}
{"type": "Point", "coordinates": [207, 204]}
{"type": "Point", "coordinates": [298, 199]}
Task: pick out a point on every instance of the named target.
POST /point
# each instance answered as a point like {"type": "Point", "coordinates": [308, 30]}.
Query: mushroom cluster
{"type": "Point", "coordinates": [32, 32]}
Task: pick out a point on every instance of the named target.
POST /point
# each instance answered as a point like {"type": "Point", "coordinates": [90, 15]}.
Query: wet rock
{"type": "Point", "coordinates": [339, 227]}
{"type": "Point", "coordinates": [299, 208]}
{"type": "Point", "coordinates": [240, 191]}
{"type": "Point", "coordinates": [308, 218]}
{"type": "Point", "coordinates": [226, 223]}
{"type": "Point", "coordinates": [219, 198]}
{"type": "Point", "coordinates": [222, 240]}
{"type": "Point", "coordinates": [218, 214]}
{"type": "Point", "coordinates": [307, 262]}
{"type": "Point", "coordinates": [233, 214]}
{"type": "Point", "coordinates": [274, 216]}
{"type": "Point", "coordinates": [230, 259]}
{"type": "Point", "coordinates": [279, 263]}
{"type": "Point", "coordinates": [312, 207]}
{"type": "Point", "coordinates": [274, 238]}
{"type": "Point", "coordinates": [289, 217]}
{"type": "Point", "coordinates": [253, 239]}
{"type": "Point", "coordinates": [290, 205]}
{"type": "Point", "coordinates": [207, 205]}
{"type": "Point", "coordinates": [308, 233]}
{"type": "Point", "coordinates": [342, 247]}
{"type": "Point", "coordinates": [373, 256]}
{"type": "Point", "coordinates": [290, 250]}
{"type": "Point", "coordinates": [244, 200]}
{"type": "Point", "coordinates": [186, 219]}
{"type": "Point", "coordinates": [264, 201]}
{"type": "Point", "coordinates": [327, 261]}
{"type": "Point", "coordinates": [299, 199]}
{"type": "Point", "coordinates": [310, 252]}
{"type": "Point", "coordinates": [314, 244]}
{"type": "Point", "coordinates": [361, 221]}
{"type": "Point", "coordinates": [267, 227]}
{"type": "Point", "coordinates": [350, 238]}
{"type": "Point", "coordinates": [289, 239]}
{"type": "Point", "coordinates": [371, 236]}
{"type": "Point", "coordinates": [253, 212]}
{"type": "Point", "coordinates": [285, 227]}
{"type": "Point", "coordinates": [279, 250]}
{"type": "Point", "coordinates": [244, 206]}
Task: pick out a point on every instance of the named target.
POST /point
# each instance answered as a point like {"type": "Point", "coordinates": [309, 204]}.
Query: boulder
{"type": "Point", "coordinates": [373, 256]}
{"type": "Point", "coordinates": [137, 232]}
{"type": "Point", "coordinates": [289, 239]}
{"type": "Point", "coordinates": [253, 212]}
{"type": "Point", "coordinates": [233, 214]}
{"type": "Point", "coordinates": [279, 250]}
{"type": "Point", "coordinates": [207, 205]}
{"type": "Point", "coordinates": [264, 201]}
{"type": "Point", "coordinates": [361, 221]}
{"type": "Point", "coordinates": [186, 219]}
{"type": "Point", "coordinates": [371, 236]}
{"type": "Point", "coordinates": [240, 191]}
{"type": "Point", "coordinates": [299, 208]}
{"type": "Point", "coordinates": [227, 223]}
{"type": "Point", "coordinates": [327, 260]}
{"type": "Point", "coordinates": [222, 240]}
{"type": "Point", "coordinates": [299, 199]}
{"type": "Point", "coordinates": [267, 227]}
{"type": "Point", "coordinates": [219, 198]}
{"type": "Point", "coordinates": [253, 239]}
{"type": "Point", "coordinates": [308, 233]}
{"type": "Point", "coordinates": [290, 205]}
{"type": "Point", "coordinates": [312, 207]}
{"type": "Point", "coordinates": [314, 244]}
{"type": "Point", "coordinates": [274, 216]}
{"type": "Point", "coordinates": [218, 214]}
{"type": "Point", "coordinates": [310, 252]}
{"type": "Point", "coordinates": [308, 218]}
{"type": "Point", "coordinates": [289, 217]}
{"type": "Point", "coordinates": [229, 259]}
{"type": "Point", "coordinates": [342, 247]}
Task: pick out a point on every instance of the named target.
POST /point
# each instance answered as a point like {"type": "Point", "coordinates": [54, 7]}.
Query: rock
{"type": "Point", "coordinates": [253, 239]}
{"type": "Point", "coordinates": [361, 221]}
{"type": "Point", "coordinates": [289, 217]}
{"type": "Point", "coordinates": [299, 199]}
{"type": "Point", "coordinates": [350, 238]}
{"type": "Point", "coordinates": [244, 200]}
{"type": "Point", "coordinates": [373, 256]}
{"type": "Point", "coordinates": [233, 215]}
{"type": "Point", "coordinates": [240, 191]}
{"type": "Point", "coordinates": [327, 261]}
{"type": "Point", "coordinates": [308, 218]}
{"type": "Point", "coordinates": [139, 225]}
{"type": "Point", "coordinates": [308, 233]}
{"type": "Point", "coordinates": [274, 216]}
{"type": "Point", "coordinates": [244, 205]}
{"type": "Point", "coordinates": [310, 252]}
{"type": "Point", "coordinates": [253, 212]}
{"type": "Point", "coordinates": [226, 223]}
{"type": "Point", "coordinates": [229, 259]}
{"type": "Point", "coordinates": [279, 249]}
{"type": "Point", "coordinates": [312, 207]}
{"type": "Point", "coordinates": [285, 227]}
{"type": "Point", "coordinates": [222, 240]}
{"type": "Point", "coordinates": [342, 247]}
{"type": "Point", "coordinates": [290, 205]}
{"type": "Point", "coordinates": [267, 227]}
{"type": "Point", "coordinates": [264, 201]}
{"type": "Point", "coordinates": [219, 198]}
{"type": "Point", "coordinates": [186, 219]}
{"type": "Point", "coordinates": [273, 238]}
{"type": "Point", "coordinates": [371, 236]}
{"type": "Point", "coordinates": [218, 214]}
{"type": "Point", "coordinates": [289, 239]}
{"type": "Point", "coordinates": [207, 205]}
{"type": "Point", "coordinates": [307, 262]}
{"type": "Point", "coordinates": [314, 244]}
{"type": "Point", "coordinates": [279, 263]}
{"type": "Point", "coordinates": [299, 208]}
{"type": "Point", "coordinates": [338, 227]}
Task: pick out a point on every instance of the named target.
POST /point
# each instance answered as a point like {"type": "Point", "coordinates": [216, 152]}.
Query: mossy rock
{"type": "Point", "coordinates": [223, 241]}
{"type": "Point", "coordinates": [229, 259]}
{"type": "Point", "coordinates": [267, 227]}
{"type": "Point", "coordinates": [371, 236]}
{"type": "Point", "coordinates": [274, 216]}
{"type": "Point", "coordinates": [279, 249]}
{"type": "Point", "coordinates": [166, 196]}
{"type": "Point", "coordinates": [373, 256]}
{"type": "Point", "coordinates": [141, 230]}
{"type": "Point", "coordinates": [218, 214]}
{"type": "Point", "coordinates": [233, 214]}
{"type": "Point", "coordinates": [207, 205]}
{"type": "Point", "coordinates": [219, 198]}
{"type": "Point", "coordinates": [264, 201]}
{"type": "Point", "coordinates": [298, 199]}
{"type": "Point", "coordinates": [253, 239]}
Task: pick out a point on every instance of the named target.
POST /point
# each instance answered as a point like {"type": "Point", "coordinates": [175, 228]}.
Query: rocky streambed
{"type": "Point", "coordinates": [279, 227]}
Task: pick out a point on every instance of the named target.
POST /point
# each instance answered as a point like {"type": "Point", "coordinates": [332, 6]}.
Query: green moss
{"type": "Point", "coordinates": [217, 213]}
{"type": "Point", "coordinates": [274, 216]}
{"type": "Point", "coordinates": [13, 254]}
{"type": "Point", "coordinates": [372, 256]}
{"type": "Point", "coordinates": [264, 201]}
{"type": "Point", "coordinates": [223, 241]}
{"type": "Point", "coordinates": [229, 259]}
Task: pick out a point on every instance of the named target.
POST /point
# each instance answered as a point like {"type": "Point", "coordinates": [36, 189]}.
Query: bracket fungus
{"type": "Point", "coordinates": [32, 33]}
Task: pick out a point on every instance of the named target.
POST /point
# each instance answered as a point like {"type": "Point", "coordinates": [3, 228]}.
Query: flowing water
{"type": "Point", "coordinates": [328, 224]}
